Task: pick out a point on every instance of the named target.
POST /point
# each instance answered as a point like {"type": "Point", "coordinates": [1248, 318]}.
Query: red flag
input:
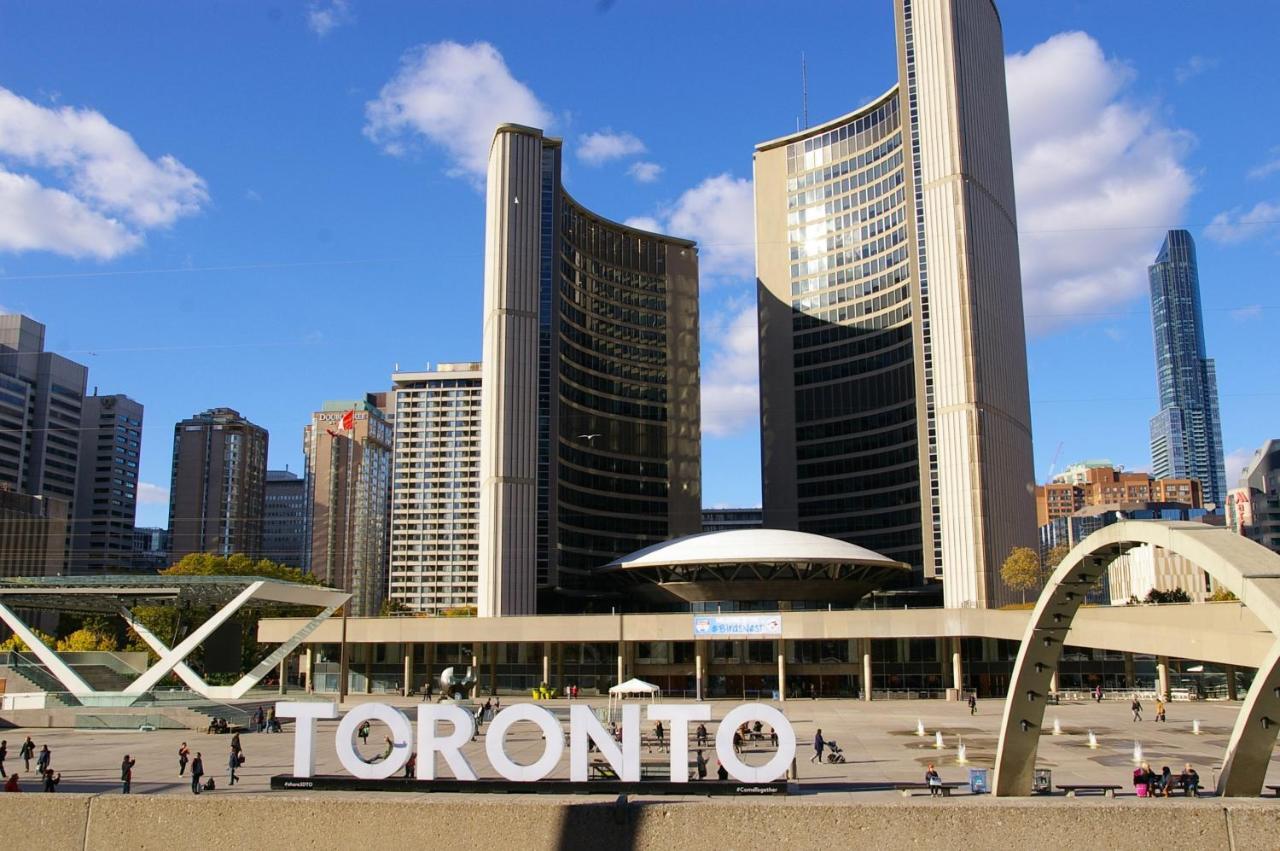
{"type": "Point", "coordinates": [348, 422]}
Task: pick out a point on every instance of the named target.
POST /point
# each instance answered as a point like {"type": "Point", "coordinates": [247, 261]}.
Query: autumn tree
{"type": "Point", "coordinates": [1022, 570]}
{"type": "Point", "coordinates": [85, 639]}
{"type": "Point", "coordinates": [15, 644]}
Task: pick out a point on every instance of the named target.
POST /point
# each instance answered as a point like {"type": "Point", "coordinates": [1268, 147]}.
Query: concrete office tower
{"type": "Point", "coordinates": [106, 486]}
{"type": "Point", "coordinates": [590, 422]}
{"type": "Point", "coordinates": [893, 371]}
{"type": "Point", "coordinates": [33, 534]}
{"type": "Point", "coordinates": [217, 494]}
{"type": "Point", "coordinates": [435, 495]}
{"type": "Point", "coordinates": [285, 539]}
{"type": "Point", "coordinates": [1253, 508]}
{"type": "Point", "coordinates": [348, 499]}
{"type": "Point", "coordinates": [1186, 436]}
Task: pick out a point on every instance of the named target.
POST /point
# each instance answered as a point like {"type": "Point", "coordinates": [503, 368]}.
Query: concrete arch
{"type": "Point", "coordinates": [1247, 569]}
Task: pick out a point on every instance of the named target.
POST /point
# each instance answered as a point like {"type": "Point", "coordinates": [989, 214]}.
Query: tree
{"type": "Point", "coordinates": [1177, 595]}
{"type": "Point", "coordinates": [1022, 571]}
{"type": "Point", "coordinates": [1054, 557]}
{"type": "Point", "coordinates": [391, 608]}
{"type": "Point", "coordinates": [459, 612]}
{"type": "Point", "coordinates": [208, 564]}
{"type": "Point", "coordinates": [14, 643]}
{"type": "Point", "coordinates": [85, 639]}
{"type": "Point", "coordinates": [1222, 595]}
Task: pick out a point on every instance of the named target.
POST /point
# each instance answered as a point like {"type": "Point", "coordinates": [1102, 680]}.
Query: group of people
{"type": "Point", "coordinates": [265, 721]}
{"type": "Point", "coordinates": [1148, 784]}
{"type": "Point", "coordinates": [48, 777]}
{"type": "Point", "coordinates": [1136, 708]}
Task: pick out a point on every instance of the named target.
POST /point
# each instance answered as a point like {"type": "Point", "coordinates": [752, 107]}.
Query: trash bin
{"type": "Point", "coordinates": [1042, 782]}
{"type": "Point", "coordinates": [978, 781]}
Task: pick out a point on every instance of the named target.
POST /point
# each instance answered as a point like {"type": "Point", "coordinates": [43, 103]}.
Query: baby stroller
{"type": "Point", "coordinates": [835, 753]}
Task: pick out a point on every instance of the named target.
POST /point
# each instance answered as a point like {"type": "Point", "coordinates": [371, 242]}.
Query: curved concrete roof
{"type": "Point", "coordinates": [748, 546]}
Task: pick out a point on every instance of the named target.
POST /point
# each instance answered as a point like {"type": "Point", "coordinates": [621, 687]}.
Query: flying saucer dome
{"type": "Point", "coordinates": [755, 565]}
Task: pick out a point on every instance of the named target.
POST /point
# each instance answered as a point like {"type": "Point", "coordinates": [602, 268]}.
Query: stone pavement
{"type": "Point", "coordinates": [878, 740]}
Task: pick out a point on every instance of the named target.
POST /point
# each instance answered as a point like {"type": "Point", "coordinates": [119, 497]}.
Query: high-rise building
{"type": "Point", "coordinates": [33, 534]}
{"type": "Point", "coordinates": [150, 548]}
{"type": "Point", "coordinates": [284, 520]}
{"type": "Point", "coordinates": [893, 383]}
{"type": "Point", "coordinates": [348, 450]}
{"type": "Point", "coordinates": [435, 496]}
{"type": "Point", "coordinates": [590, 420]}
{"type": "Point", "coordinates": [1253, 508]}
{"type": "Point", "coordinates": [218, 487]}
{"type": "Point", "coordinates": [1186, 436]}
{"type": "Point", "coordinates": [1107, 485]}
{"type": "Point", "coordinates": [107, 485]}
{"type": "Point", "coordinates": [724, 519]}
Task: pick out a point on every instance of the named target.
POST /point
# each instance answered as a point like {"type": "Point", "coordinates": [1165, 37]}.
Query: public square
{"type": "Point", "coordinates": [878, 740]}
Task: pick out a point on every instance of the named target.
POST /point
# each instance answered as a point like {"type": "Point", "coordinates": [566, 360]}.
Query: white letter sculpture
{"type": "Point", "coordinates": [304, 746]}
{"type": "Point", "coordinates": [624, 758]}
{"type": "Point", "coordinates": [401, 736]}
{"type": "Point", "coordinates": [450, 746]}
{"type": "Point", "coordinates": [551, 731]}
{"type": "Point", "coordinates": [678, 717]}
{"type": "Point", "coordinates": [774, 768]}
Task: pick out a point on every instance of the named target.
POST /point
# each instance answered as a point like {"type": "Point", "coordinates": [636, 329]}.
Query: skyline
{"type": "Point", "coordinates": [334, 202]}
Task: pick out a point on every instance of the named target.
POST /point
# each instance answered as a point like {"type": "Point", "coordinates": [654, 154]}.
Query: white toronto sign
{"type": "Point", "coordinates": [584, 729]}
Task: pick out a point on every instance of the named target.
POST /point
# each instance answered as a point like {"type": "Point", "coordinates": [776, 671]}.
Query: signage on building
{"type": "Point", "coordinates": [586, 734]}
{"type": "Point", "coordinates": [737, 626]}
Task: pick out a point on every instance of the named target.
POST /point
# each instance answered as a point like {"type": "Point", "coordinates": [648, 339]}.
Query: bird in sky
{"type": "Point", "coordinates": [589, 438]}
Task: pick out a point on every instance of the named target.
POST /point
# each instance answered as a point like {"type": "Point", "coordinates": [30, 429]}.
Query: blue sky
{"type": "Point", "coordinates": [270, 206]}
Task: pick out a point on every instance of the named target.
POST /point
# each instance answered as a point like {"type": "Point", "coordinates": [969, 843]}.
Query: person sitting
{"type": "Point", "coordinates": [737, 741]}
{"type": "Point", "coordinates": [1190, 781]}
{"type": "Point", "coordinates": [773, 737]}
{"type": "Point", "coordinates": [1164, 783]}
{"type": "Point", "coordinates": [721, 772]}
{"type": "Point", "coordinates": [934, 780]}
{"type": "Point", "coordinates": [756, 730]}
{"type": "Point", "coordinates": [1143, 780]}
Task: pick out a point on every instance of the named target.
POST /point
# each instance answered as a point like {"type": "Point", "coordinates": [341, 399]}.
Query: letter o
{"type": "Point", "coordinates": [774, 768]}
{"type": "Point", "coordinates": [495, 742]}
{"type": "Point", "coordinates": [401, 736]}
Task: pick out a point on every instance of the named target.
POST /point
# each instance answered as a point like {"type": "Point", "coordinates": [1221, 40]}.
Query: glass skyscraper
{"type": "Point", "coordinates": [893, 381]}
{"type": "Point", "coordinates": [1186, 436]}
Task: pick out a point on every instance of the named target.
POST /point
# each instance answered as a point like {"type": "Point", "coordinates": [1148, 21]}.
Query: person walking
{"type": "Point", "coordinates": [1159, 710]}
{"type": "Point", "coordinates": [4, 752]}
{"type": "Point", "coordinates": [818, 744]}
{"type": "Point", "coordinates": [973, 704]}
{"type": "Point", "coordinates": [197, 771]}
{"type": "Point", "coordinates": [702, 765]}
{"type": "Point", "coordinates": [1136, 708]}
{"type": "Point", "coordinates": [43, 760]}
{"type": "Point", "coordinates": [235, 743]}
{"type": "Point", "coordinates": [27, 751]}
{"type": "Point", "coordinates": [126, 774]}
{"type": "Point", "coordinates": [363, 732]}
{"type": "Point", "coordinates": [184, 756]}
{"type": "Point", "coordinates": [660, 734]}
{"type": "Point", "coordinates": [50, 781]}
{"type": "Point", "coordinates": [233, 762]}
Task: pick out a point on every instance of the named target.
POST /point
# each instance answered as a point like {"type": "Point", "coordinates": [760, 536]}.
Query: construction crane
{"type": "Point", "coordinates": [1057, 453]}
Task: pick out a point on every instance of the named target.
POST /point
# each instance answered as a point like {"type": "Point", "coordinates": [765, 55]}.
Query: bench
{"type": "Point", "coordinates": [661, 771]}
{"type": "Point", "coordinates": [1106, 789]}
{"type": "Point", "coordinates": [907, 788]}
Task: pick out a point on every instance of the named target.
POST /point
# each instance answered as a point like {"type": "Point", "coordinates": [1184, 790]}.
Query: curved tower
{"type": "Point", "coordinates": [590, 423]}
{"type": "Point", "coordinates": [893, 379]}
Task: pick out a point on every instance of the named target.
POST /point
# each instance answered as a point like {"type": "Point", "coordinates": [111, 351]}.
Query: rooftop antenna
{"type": "Point", "coordinates": [804, 89]}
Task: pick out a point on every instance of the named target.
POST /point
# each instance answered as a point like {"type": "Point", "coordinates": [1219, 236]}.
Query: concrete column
{"type": "Point", "coordinates": [1053, 683]}
{"type": "Point", "coordinates": [344, 660]}
{"type": "Point", "coordinates": [1130, 678]}
{"type": "Point", "coordinates": [560, 683]}
{"type": "Point", "coordinates": [957, 669]}
{"type": "Point", "coordinates": [621, 661]}
{"type": "Point", "coordinates": [493, 668]}
{"type": "Point", "coordinates": [310, 670]}
{"type": "Point", "coordinates": [476, 649]}
{"type": "Point", "coordinates": [408, 669]}
{"type": "Point", "coordinates": [698, 647]}
{"type": "Point", "coordinates": [782, 669]}
{"type": "Point", "coordinates": [546, 665]}
{"type": "Point", "coordinates": [368, 669]}
{"type": "Point", "coordinates": [282, 671]}
{"type": "Point", "coordinates": [866, 669]}
{"type": "Point", "coordinates": [1230, 671]}
{"type": "Point", "coordinates": [1162, 677]}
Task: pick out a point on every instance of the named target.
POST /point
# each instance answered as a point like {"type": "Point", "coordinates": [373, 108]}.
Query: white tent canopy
{"type": "Point", "coordinates": [632, 688]}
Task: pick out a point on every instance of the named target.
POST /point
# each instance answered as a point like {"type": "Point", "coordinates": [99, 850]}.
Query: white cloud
{"type": "Point", "coordinates": [1234, 464]}
{"type": "Point", "coordinates": [604, 145]}
{"type": "Point", "coordinates": [453, 95]}
{"type": "Point", "coordinates": [151, 494]}
{"type": "Point", "coordinates": [1098, 176]}
{"type": "Point", "coordinates": [1247, 313]}
{"type": "Point", "coordinates": [111, 191]}
{"type": "Point", "coordinates": [1238, 225]}
{"type": "Point", "coordinates": [1269, 167]}
{"type": "Point", "coordinates": [645, 172]}
{"type": "Point", "coordinates": [720, 214]}
{"type": "Point", "coordinates": [324, 17]}
{"type": "Point", "coordinates": [1193, 67]}
{"type": "Point", "coordinates": [730, 371]}
{"type": "Point", "coordinates": [252, 195]}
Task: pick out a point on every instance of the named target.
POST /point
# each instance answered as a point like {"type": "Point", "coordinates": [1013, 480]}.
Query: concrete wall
{"type": "Point", "coordinates": [72, 821]}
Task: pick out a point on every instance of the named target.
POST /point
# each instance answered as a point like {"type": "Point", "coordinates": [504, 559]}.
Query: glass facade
{"type": "Point", "coordinates": [1186, 436]}
{"type": "Point", "coordinates": [856, 428]}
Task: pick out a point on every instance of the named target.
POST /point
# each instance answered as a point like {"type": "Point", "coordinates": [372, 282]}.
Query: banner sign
{"type": "Point", "coordinates": [737, 626]}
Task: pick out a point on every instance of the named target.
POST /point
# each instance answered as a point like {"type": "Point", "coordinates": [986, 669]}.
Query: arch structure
{"type": "Point", "coordinates": [1247, 569]}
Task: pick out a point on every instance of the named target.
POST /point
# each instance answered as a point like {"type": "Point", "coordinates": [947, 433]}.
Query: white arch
{"type": "Point", "coordinates": [1247, 569]}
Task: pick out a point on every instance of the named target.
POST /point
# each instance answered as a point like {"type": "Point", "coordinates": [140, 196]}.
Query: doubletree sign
{"type": "Point", "coordinates": [584, 730]}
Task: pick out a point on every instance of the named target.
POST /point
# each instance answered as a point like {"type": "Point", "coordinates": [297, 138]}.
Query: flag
{"type": "Point", "coordinates": [348, 421]}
